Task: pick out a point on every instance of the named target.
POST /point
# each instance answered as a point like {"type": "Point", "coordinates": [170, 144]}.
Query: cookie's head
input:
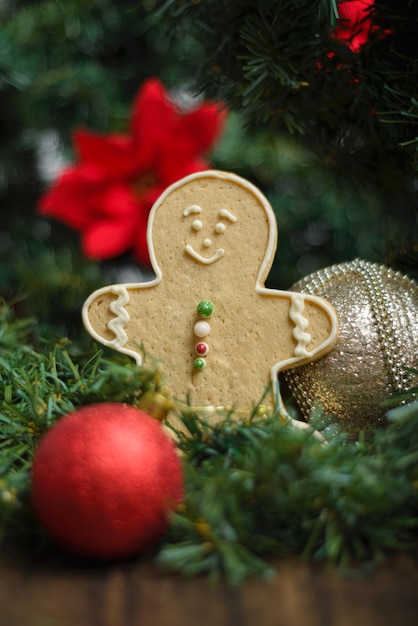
{"type": "Point", "coordinates": [207, 224]}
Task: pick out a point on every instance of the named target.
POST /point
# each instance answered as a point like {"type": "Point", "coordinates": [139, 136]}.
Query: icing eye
{"type": "Point", "coordinates": [220, 228]}
{"type": "Point", "coordinates": [197, 225]}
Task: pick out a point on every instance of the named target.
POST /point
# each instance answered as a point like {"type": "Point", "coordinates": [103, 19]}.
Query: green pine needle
{"type": "Point", "coordinates": [259, 489]}
{"type": "Point", "coordinates": [42, 379]}
{"type": "Point", "coordinates": [279, 65]}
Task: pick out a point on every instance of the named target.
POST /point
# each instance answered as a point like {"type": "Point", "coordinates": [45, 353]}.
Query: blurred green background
{"type": "Point", "coordinates": [71, 64]}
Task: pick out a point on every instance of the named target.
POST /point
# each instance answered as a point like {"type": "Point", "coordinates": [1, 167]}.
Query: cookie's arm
{"type": "Point", "coordinates": [105, 317]}
{"type": "Point", "coordinates": [315, 326]}
{"type": "Point", "coordinates": [315, 330]}
{"type": "Point", "coordinates": [315, 333]}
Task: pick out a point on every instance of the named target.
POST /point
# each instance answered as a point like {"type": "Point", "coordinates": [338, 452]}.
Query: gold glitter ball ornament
{"type": "Point", "coordinates": [377, 311]}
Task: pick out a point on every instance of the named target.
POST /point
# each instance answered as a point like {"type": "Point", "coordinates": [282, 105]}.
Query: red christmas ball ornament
{"type": "Point", "coordinates": [105, 479]}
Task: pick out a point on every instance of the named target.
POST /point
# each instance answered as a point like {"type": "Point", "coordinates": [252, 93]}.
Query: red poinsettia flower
{"type": "Point", "coordinates": [354, 23]}
{"type": "Point", "coordinates": [108, 193]}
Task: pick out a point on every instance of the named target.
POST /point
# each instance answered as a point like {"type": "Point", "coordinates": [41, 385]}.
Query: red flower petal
{"type": "Point", "coordinates": [119, 203]}
{"type": "Point", "coordinates": [108, 195]}
{"type": "Point", "coordinates": [70, 198]}
{"type": "Point", "coordinates": [200, 128]}
{"type": "Point", "coordinates": [178, 160]}
{"type": "Point", "coordinates": [114, 153]}
{"type": "Point", "coordinates": [354, 24]}
{"type": "Point", "coordinates": [153, 118]}
{"type": "Point", "coordinates": [105, 239]}
{"type": "Point", "coordinates": [140, 251]}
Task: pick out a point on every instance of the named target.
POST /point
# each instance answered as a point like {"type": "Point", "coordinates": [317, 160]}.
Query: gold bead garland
{"type": "Point", "coordinates": [378, 318]}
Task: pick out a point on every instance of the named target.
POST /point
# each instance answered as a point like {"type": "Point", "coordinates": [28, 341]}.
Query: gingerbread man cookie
{"type": "Point", "coordinates": [221, 335]}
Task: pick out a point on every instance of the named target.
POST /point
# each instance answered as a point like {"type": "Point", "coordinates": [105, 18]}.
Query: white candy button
{"type": "Point", "coordinates": [202, 329]}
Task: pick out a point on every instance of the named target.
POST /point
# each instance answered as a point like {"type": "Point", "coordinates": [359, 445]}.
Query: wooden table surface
{"type": "Point", "coordinates": [57, 593]}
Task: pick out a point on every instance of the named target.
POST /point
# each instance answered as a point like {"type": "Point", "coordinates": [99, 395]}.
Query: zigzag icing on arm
{"type": "Point", "coordinates": [117, 324]}
{"type": "Point", "coordinates": [301, 323]}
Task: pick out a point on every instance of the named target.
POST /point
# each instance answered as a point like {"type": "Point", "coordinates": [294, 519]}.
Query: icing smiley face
{"type": "Point", "coordinates": [219, 229]}
{"type": "Point", "coordinates": [221, 335]}
{"type": "Point", "coordinates": [208, 227]}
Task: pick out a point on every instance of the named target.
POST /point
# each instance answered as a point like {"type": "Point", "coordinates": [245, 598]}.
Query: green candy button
{"type": "Point", "coordinates": [199, 364]}
{"type": "Point", "coordinates": [205, 308]}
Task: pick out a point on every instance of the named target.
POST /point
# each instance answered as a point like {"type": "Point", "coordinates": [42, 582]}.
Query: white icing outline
{"type": "Point", "coordinates": [198, 257]}
{"type": "Point", "coordinates": [228, 215]}
{"type": "Point", "coordinates": [301, 323]}
{"type": "Point", "coordinates": [194, 208]}
{"type": "Point", "coordinates": [259, 286]}
{"type": "Point", "coordinates": [117, 324]}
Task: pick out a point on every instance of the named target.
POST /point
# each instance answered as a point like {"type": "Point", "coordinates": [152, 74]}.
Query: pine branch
{"type": "Point", "coordinates": [258, 490]}
{"type": "Point", "coordinates": [255, 488]}
{"type": "Point", "coordinates": [280, 67]}
{"type": "Point", "coordinates": [42, 379]}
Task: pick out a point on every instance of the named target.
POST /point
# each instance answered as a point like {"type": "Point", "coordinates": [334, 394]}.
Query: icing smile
{"type": "Point", "coordinates": [198, 257]}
